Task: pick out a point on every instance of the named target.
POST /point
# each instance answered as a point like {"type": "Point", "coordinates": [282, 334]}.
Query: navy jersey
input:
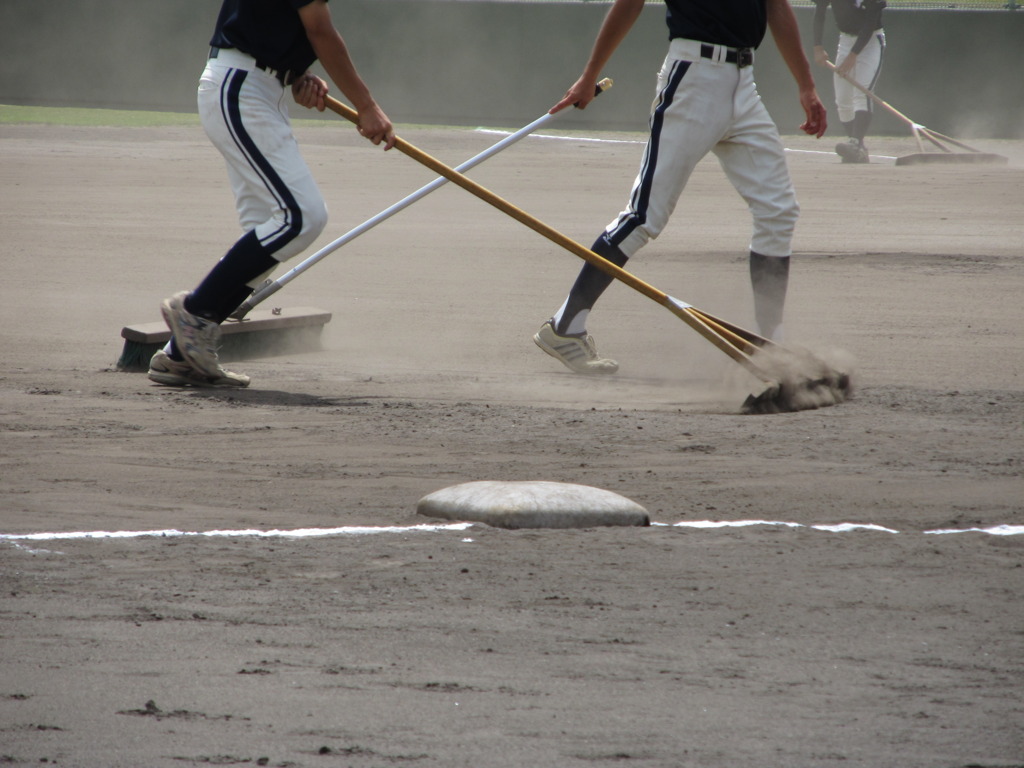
{"type": "Point", "coordinates": [735, 23]}
{"type": "Point", "coordinates": [853, 17]}
{"type": "Point", "coordinates": [268, 30]}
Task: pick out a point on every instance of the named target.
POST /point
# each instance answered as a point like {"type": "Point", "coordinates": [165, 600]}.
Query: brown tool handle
{"type": "Point", "coordinates": [739, 337]}
{"type": "Point", "coordinates": [558, 238]}
{"type": "Point", "coordinates": [871, 95]}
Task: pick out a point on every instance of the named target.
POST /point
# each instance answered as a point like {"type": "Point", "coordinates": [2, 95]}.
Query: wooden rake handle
{"type": "Point", "coordinates": [870, 94]}
{"type": "Point", "coordinates": [684, 312]}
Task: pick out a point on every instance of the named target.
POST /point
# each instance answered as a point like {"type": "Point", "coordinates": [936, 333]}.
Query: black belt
{"type": "Point", "coordinates": [741, 57]}
{"type": "Point", "coordinates": [285, 77]}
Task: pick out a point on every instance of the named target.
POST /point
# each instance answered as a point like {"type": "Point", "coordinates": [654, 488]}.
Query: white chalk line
{"type": "Point", "coordinates": [300, 533]}
{"type": "Point", "coordinates": [593, 140]}
{"type": "Point", "coordinates": [294, 533]}
{"type": "Point", "coordinates": [995, 530]}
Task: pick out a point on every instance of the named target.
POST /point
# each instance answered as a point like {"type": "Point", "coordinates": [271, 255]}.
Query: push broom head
{"type": "Point", "coordinates": [264, 333]}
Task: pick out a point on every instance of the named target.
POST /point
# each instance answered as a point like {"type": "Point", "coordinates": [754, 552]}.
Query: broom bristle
{"type": "Point", "coordinates": [135, 356]}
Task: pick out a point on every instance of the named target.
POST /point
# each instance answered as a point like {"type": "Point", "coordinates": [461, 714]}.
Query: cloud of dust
{"type": "Point", "coordinates": [806, 380]}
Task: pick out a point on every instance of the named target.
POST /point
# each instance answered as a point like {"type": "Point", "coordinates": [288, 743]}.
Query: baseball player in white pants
{"type": "Point", "coordinates": [244, 113]}
{"type": "Point", "coordinates": [260, 50]}
{"type": "Point", "coordinates": [859, 58]}
{"type": "Point", "coordinates": [706, 102]}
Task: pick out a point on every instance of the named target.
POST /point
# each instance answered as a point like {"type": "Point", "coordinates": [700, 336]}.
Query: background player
{"type": "Point", "coordinates": [706, 102]}
{"type": "Point", "coordinates": [260, 47]}
{"type": "Point", "coordinates": [859, 56]}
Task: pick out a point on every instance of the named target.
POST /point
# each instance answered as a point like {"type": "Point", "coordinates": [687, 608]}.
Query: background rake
{"type": "Point", "coordinates": [943, 143]}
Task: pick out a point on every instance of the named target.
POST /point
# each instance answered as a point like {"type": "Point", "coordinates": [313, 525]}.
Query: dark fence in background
{"type": "Point", "coordinates": [500, 63]}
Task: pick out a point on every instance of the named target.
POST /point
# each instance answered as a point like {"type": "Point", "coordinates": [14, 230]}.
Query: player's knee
{"type": "Point", "coordinates": [778, 213]}
{"type": "Point", "coordinates": [296, 229]}
{"type": "Point", "coordinates": [789, 213]}
{"type": "Point", "coordinates": [314, 219]}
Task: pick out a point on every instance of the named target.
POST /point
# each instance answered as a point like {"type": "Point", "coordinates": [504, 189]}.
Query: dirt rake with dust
{"type": "Point", "coordinates": [791, 380]}
{"type": "Point", "coordinates": [948, 147]}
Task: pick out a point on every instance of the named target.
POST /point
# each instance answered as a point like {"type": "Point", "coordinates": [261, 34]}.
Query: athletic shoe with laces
{"type": "Point", "coordinates": [172, 373]}
{"type": "Point", "coordinates": [852, 151]}
{"type": "Point", "coordinates": [196, 338]}
{"type": "Point", "coordinates": [577, 353]}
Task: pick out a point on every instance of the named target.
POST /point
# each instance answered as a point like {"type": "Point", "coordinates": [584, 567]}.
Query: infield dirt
{"type": "Point", "coordinates": [674, 645]}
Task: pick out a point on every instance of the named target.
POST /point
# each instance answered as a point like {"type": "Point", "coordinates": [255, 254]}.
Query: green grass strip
{"type": "Point", "coordinates": [129, 118]}
{"type": "Point", "coordinates": [10, 114]}
{"type": "Point", "coordinates": [117, 118]}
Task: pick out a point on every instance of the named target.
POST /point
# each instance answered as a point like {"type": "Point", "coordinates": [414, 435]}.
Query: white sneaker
{"type": "Point", "coordinates": [196, 338]}
{"type": "Point", "coordinates": [171, 373]}
{"type": "Point", "coordinates": [577, 353]}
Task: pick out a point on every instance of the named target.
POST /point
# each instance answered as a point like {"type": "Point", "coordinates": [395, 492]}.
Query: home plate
{"type": "Point", "coordinates": [532, 504]}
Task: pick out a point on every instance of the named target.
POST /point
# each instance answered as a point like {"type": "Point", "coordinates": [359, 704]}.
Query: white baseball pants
{"type": "Point", "coordinates": [849, 98]}
{"type": "Point", "coordinates": [244, 112]}
{"type": "Point", "coordinates": [707, 105]}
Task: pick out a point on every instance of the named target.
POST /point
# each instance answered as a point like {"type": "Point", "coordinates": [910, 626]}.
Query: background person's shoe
{"type": "Point", "coordinates": [852, 151]}
{"type": "Point", "coordinates": [171, 373]}
{"type": "Point", "coordinates": [577, 353]}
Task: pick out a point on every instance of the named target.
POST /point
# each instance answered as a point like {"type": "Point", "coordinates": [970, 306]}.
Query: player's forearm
{"type": "Point", "coordinates": [871, 19]}
{"type": "Point", "coordinates": [862, 39]}
{"type": "Point", "coordinates": [820, 12]}
{"type": "Point", "coordinates": [333, 55]}
{"type": "Point", "coordinates": [786, 33]}
{"type": "Point", "coordinates": [617, 23]}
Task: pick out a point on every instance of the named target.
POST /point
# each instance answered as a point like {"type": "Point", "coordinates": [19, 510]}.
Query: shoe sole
{"type": "Point", "coordinates": [174, 380]}
{"type": "Point", "coordinates": [851, 155]}
{"type": "Point", "coordinates": [167, 379]}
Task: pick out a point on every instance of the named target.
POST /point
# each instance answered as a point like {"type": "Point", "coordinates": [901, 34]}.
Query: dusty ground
{"type": "Point", "coordinates": [674, 645]}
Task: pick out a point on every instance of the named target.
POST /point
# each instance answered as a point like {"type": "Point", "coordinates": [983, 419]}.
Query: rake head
{"type": "Point", "coordinates": [801, 381]}
{"type": "Point", "coordinates": [799, 395]}
{"type": "Point", "coordinates": [794, 379]}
